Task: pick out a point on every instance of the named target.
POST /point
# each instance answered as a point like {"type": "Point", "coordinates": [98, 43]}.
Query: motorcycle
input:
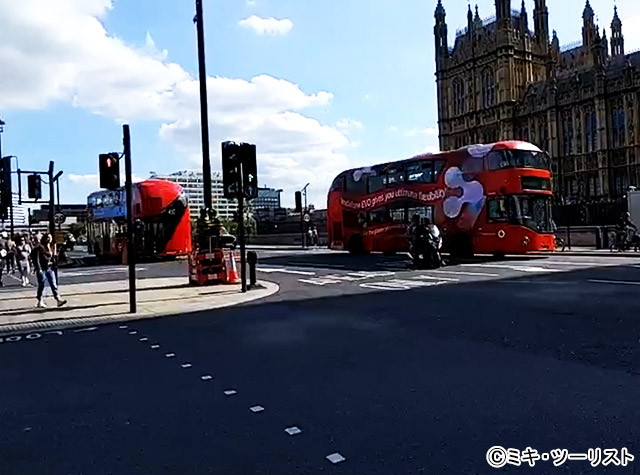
{"type": "Point", "coordinates": [426, 248]}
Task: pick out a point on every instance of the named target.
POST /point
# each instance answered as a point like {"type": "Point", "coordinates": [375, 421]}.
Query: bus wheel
{"type": "Point", "coordinates": [461, 246]}
{"type": "Point", "coordinates": [356, 246]}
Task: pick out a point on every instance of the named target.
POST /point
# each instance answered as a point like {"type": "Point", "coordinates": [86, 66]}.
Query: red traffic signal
{"type": "Point", "coordinates": [109, 165]}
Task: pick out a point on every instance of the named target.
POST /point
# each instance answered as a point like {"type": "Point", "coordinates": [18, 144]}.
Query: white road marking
{"type": "Point", "coordinates": [133, 332]}
{"type": "Point", "coordinates": [284, 271]}
{"type": "Point", "coordinates": [186, 365]}
{"type": "Point", "coordinates": [230, 392]}
{"type": "Point", "coordinates": [170, 355]}
{"type": "Point", "coordinates": [444, 279]}
{"type": "Point", "coordinates": [335, 458]}
{"type": "Point", "coordinates": [144, 339]}
{"type": "Point", "coordinates": [99, 271]}
{"type": "Point", "coordinates": [320, 281]}
{"type": "Point", "coordinates": [155, 347]}
{"type": "Point", "coordinates": [293, 430]}
{"type": "Point", "coordinates": [399, 284]}
{"type": "Point", "coordinates": [206, 377]}
{"type": "Point", "coordinates": [512, 267]}
{"type": "Point", "coordinates": [122, 326]}
{"type": "Point", "coordinates": [586, 264]}
{"type": "Point", "coordinates": [471, 274]}
{"type": "Point", "coordinates": [619, 282]}
{"type": "Point", "coordinates": [256, 409]}
{"type": "Point", "coordinates": [91, 329]}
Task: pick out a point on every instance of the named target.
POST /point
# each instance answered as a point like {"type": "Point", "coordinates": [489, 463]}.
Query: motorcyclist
{"type": "Point", "coordinates": [626, 229]}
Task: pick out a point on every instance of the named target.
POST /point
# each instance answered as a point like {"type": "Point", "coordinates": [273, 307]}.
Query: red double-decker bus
{"type": "Point", "coordinates": [161, 218]}
{"type": "Point", "coordinates": [487, 199]}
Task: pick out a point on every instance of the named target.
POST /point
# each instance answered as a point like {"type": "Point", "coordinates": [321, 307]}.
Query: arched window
{"type": "Point", "coordinates": [618, 126]}
{"type": "Point", "coordinates": [459, 99]}
{"type": "Point", "coordinates": [488, 88]}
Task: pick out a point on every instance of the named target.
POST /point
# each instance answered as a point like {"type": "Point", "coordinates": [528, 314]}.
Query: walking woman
{"type": "Point", "coordinates": [44, 261]}
{"type": "Point", "coordinates": [23, 250]}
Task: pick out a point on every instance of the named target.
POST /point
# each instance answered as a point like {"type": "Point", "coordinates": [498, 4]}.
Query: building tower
{"type": "Point", "coordinates": [588, 27]}
{"type": "Point", "coordinates": [503, 10]}
{"type": "Point", "coordinates": [441, 35]}
{"type": "Point", "coordinates": [541, 21]}
{"type": "Point", "coordinates": [617, 40]}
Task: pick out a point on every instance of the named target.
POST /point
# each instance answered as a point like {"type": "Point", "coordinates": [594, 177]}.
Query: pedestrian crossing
{"type": "Point", "coordinates": [396, 275]}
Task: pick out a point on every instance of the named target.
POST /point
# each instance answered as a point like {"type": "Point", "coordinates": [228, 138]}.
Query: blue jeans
{"type": "Point", "coordinates": [51, 277]}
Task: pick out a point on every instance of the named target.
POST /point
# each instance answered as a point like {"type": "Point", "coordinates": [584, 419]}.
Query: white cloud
{"type": "Point", "coordinates": [347, 125]}
{"type": "Point", "coordinates": [267, 26]}
{"type": "Point", "coordinates": [60, 52]}
{"type": "Point", "coordinates": [393, 128]}
{"type": "Point", "coordinates": [432, 131]}
{"type": "Point", "coordinates": [251, 3]}
{"type": "Point", "coordinates": [631, 32]}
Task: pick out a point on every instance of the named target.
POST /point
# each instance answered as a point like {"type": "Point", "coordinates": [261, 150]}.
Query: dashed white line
{"type": "Point", "coordinates": [471, 274]}
{"type": "Point", "coordinates": [186, 365]}
{"type": "Point", "coordinates": [512, 267]}
{"type": "Point", "coordinates": [440, 279]}
{"type": "Point", "coordinates": [618, 282]}
{"type": "Point", "coordinates": [155, 347]}
{"type": "Point", "coordinates": [122, 327]}
{"type": "Point", "coordinates": [133, 332]}
{"type": "Point", "coordinates": [285, 271]}
{"type": "Point", "coordinates": [293, 430]}
{"type": "Point", "coordinates": [170, 355]}
{"type": "Point", "coordinates": [91, 329]}
{"type": "Point", "coordinates": [206, 377]}
{"type": "Point", "coordinates": [335, 458]}
{"type": "Point", "coordinates": [144, 339]}
{"type": "Point", "coordinates": [256, 409]}
{"type": "Point", "coordinates": [230, 392]}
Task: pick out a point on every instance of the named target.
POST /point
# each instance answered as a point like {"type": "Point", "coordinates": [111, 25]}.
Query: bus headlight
{"type": "Point", "coordinates": [525, 241]}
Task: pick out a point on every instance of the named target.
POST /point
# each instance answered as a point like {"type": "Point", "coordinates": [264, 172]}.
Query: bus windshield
{"type": "Point", "coordinates": [531, 211]}
{"type": "Point", "coordinates": [499, 159]}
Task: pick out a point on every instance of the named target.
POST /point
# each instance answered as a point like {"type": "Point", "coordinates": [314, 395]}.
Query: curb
{"type": "Point", "coordinates": [588, 254]}
{"type": "Point", "coordinates": [268, 289]}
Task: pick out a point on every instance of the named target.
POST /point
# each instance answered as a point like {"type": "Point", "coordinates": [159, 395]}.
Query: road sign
{"type": "Point", "coordinates": [307, 218]}
{"type": "Point", "coordinates": [59, 218]}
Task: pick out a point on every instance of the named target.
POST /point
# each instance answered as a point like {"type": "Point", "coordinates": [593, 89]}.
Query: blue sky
{"type": "Point", "coordinates": [320, 87]}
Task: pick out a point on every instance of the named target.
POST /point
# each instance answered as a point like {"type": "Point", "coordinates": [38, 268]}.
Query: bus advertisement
{"type": "Point", "coordinates": [487, 199]}
{"type": "Point", "coordinates": [161, 219]}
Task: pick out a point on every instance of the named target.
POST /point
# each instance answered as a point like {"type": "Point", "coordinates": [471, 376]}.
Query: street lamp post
{"type": "Point", "coordinates": [303, 212]}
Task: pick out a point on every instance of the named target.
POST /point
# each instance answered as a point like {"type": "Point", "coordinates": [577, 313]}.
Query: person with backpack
{"type": "Point", "coordinates": [44, 260]}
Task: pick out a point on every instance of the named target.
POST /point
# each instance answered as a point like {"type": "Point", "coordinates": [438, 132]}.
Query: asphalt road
{"type": "Point", "coordinates": [397, 371]}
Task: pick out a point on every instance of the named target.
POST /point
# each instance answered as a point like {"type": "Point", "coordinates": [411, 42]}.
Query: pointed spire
{"type": "Point", "coordinates": [555, 42]}
{"type": "Point", "coordinates": [616, 19]}
{"type": "Point", "coordinates": [440, 13]}
{"type": "Point", "coordinates": [477, 21]}
{"type": "Point", "coordinates": [523, 9]}
{"type": "Point", "coordinates": [588, 11]}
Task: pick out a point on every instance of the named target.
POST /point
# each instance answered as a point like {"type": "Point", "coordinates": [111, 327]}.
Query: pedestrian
{"type": "Point", "coordinates": [11, 255]}
{"type": "Point", "coordinates": [23, 250]}
{"type": "Point", "coordinates": [3, 255]}
{"type": "Point", "coordinates": [44, 260]}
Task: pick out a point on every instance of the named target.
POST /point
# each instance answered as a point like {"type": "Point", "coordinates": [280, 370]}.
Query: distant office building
{"type": "Point", "coordinates": [268, 198]}
{"type": "Point", "coordinates": [73, 214]}
{"type": "Point", "coordinates": [193, 184]}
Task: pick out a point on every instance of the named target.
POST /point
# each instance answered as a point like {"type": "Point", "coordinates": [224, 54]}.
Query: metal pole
{"type": "Point", "coordinates": [58, 195]}
{"type": "Point", "coordinates": [204, 115]}
{"type": "Point", "coordinates": [131, 251]}
{"type": "Point", "coordinates": [11, 210]}
{"type": "Point", "coordinates": [52, 224]}
{"type": "Point", "coordinates": [243, 273]}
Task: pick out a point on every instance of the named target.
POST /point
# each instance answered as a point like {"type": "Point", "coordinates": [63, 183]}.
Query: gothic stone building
{"type": "Point", "coordinates": [581, 104]}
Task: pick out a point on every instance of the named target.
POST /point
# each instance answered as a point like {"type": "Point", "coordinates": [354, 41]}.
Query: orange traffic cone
{"type": "Point", "coordinates": [232, 270]}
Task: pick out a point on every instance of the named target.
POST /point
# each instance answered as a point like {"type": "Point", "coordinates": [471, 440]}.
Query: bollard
{"type": "Point", "coordinates": [252, 260]}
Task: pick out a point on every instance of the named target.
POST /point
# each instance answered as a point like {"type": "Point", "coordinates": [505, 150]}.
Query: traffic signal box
{"type": "Point", "coordinates": [5, 187]}
{"type": "Point", "coordinates": [298, 202]}
{"type": "Point", "coordinates": [34, 185]}
{"type": "Point", "coordinates": [234, 158]}
{"type": "Point", "coordinates": [109, 171]}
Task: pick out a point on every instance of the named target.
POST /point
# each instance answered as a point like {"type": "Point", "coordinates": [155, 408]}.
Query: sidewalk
{"type": "Point", "coordinates": [107, 302]}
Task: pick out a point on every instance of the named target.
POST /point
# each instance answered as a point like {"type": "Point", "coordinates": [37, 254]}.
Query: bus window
{"type": "Point", "coordinates": [420, 172]}
{"type": "Point", "coordinates": [378, 216]}
{"type": "Point", "coordinates": [375, 183]}
{"type": "Point", "coordinates": [438, 165]}
{"type": "Point", "coordinates": [359, 186]}
{"type": "Point", "coordinates": [398, 214]}
{"type": "Point", "coordinates": [338, 184]}
{"type": "Point", "coordinates": [394, 177]}
{"type": "Point", "coordinates": [496, 209]}
{"type": "Point", "coordinates": [422, 211]}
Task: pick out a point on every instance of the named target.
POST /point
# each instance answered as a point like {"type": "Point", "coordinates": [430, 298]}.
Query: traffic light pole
{"type": "Point", "coordinates": [204, 115]}
{"type": "Point", "coordinates": [52, 224]}
{"type": "Point", "coordinates": [243, 257]}
{"type": "Point", "coordinates": [131, 252]}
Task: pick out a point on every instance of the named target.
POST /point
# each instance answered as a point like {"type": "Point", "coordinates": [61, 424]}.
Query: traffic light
{"type": "Point", "coordinates": [231, 159]}
{"type": "Point", "coordinates": [298, 201]}
{"type": "Point", "coordinates": [109, 171]}
{"type": "Point", "coordinates": [5, 187]}
{"type": "Point", "coordinates": [34, 184]}
{"type": "Point", "coordinates": [249, 170]}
